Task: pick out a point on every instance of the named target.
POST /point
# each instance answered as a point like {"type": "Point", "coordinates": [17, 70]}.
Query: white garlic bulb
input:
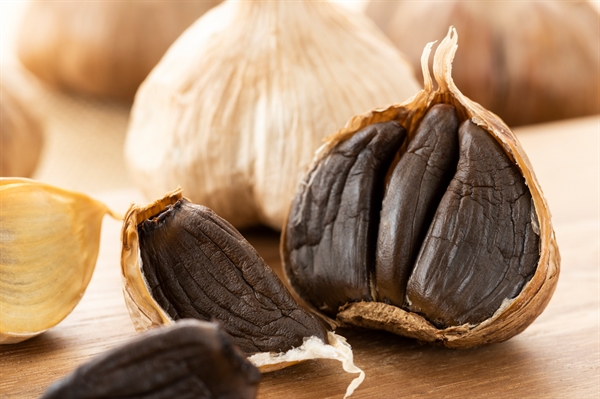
{"type": "Point", "coordinates": [235, 110]}
{"type": "Point", "coordinates": [527, 61]}
{"type": "Point", "coordinates": [101, 48]}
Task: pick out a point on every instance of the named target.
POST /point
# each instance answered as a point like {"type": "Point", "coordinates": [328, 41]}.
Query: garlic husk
{"type": "Point", "coordinates": [235, 110]}
{"type": "Point", "coordinates": [527, 61]}
{"type": "Point", "coordinates": [49, 240]}
{"type": "Point", "coordinates": [515, 314]}
{"type": "Point", "coordinates": [146, 313]}
{"type": "Point", "coordinates": [313, 348]}
{"type": "Point", "coordinates": [21, 136]}
{"type": "Point", "coordinates": [101, 48]}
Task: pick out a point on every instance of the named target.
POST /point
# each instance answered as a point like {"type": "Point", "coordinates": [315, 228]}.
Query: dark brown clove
{"type": "Point", "coordinates": [190, 359]}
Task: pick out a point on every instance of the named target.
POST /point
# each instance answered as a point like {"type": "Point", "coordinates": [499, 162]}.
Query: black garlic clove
{"type": "Point", "coordinates": [416, 186]}
{"type": "Point", "coordinates": [181, 260]}
{"type": "Point", "coordinates": [197, 265]}
{"type": "Point", "coordinates": [190, 359]}
{"type": "Point", "coordinates": [481, 248]}
{"type": "Point", "coordinates": [333, 221]}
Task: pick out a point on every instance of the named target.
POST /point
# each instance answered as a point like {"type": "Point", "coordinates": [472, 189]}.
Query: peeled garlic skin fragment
{"type": "Point", "coordinates": [190, 359]}
{"type": "Point", "coordinates": [332, 225]}
{"type": "Point", "coordinates": [196, 265]}
{"type": "Point", "coordinates": [416, 186]}
{"type": "Point", "coordinates": [481, 247]}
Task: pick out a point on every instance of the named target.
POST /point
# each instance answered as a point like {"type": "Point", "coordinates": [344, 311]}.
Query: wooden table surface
{"type": "Point", "coordinates": [558, 356]}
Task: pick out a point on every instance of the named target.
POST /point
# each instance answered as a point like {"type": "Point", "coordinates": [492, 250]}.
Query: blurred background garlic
{"type": "Point", "coordinates": [21, 137]}
{"type": "Point", "coordinates": [237, 106]}
{"type": "Point", "coordinates": [101, 48]}
{"type": "Point", "coordinates": [527, 61]}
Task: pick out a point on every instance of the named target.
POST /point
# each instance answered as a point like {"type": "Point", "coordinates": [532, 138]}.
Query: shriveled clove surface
{"type": "Point", "coordinates": [198, 266]}
{"type": "Point", "coordinates": [190, 359]}
{"type": "Point", "coordinates": [481, 247]}
{"type": "Point", "coordinates": [416, 186]}
{"type": "Point", "coordinates": [182, 260]}
{"type": "Point", "coordinates": [339, 214]}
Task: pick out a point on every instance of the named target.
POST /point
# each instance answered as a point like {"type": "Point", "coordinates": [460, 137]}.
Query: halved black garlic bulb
{"type": "Point", "coordinates": [190, 359]}
{"type": "Point", "coordinates": [181, 260]}
{"type": "Point", "coordinates": [424, 219]}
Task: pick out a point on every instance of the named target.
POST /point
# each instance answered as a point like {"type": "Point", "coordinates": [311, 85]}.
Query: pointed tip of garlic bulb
{"type": "Point", "coordinates": [239, 103]}
{"type": "Point", "coordinates": [50, 241]}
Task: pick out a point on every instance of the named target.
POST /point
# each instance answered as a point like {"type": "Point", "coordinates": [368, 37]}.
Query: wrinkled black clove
{"type": "Point", "coordinates": [416, 187]}
{"type": "Point", "coordinates": [190, 359]}
{"type": "Point", "coordinates": [333, 222]}
{"type": "Point", "coordinates": [196, 265]}
{"type": "Point", "coordinates": [481, 247]}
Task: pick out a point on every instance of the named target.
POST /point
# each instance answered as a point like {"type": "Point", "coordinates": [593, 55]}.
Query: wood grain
{"type": "Point", "coordinates": [558, 356]}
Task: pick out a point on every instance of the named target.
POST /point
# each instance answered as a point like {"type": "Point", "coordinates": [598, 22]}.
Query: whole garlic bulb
{"type": "Point", "coordinates": [101, 48]}
{"type": "Point", "coordinates": [528, 61]}
{"type": "Point", "coordinates": [239, 103]}
{"type": "Point", "coordinates": [21, 136]}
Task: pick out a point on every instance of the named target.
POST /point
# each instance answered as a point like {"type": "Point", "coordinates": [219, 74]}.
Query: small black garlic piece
{"type": "Point", "coordinates": [196, 265]}
{"type": "Point", "coordinates": [190, 359]}
{"type": "Point", "coordinates": [450, 237]}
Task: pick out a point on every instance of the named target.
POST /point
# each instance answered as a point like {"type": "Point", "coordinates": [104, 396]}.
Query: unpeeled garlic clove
{"type": "Point", "coordinates": [101, 48]}
{"type": "Point", "coordinates": [181, 260]}
{"type": "Point", "coordinates": [238, 105]}
{"type": "Point", "coordinates": [49, 240]}
{"type": "Point", "coordinates": [21, 137]}
{"type": "Point", "coordinates": [527, 61]}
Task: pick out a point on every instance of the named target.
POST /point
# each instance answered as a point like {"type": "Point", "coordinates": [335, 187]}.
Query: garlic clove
{"type": "Point", "coordinates": [49, 244]}
{"type": "Point", "coordinates": [180, 260]}
{"type": "Point", "coordinates": [497, 308]}
{"type": "Point", "coordinates": [101, 48]}
{"type": "Point", "coordinates": [188, 359]}
{"type": "Point", "coordinates": [238, 105]}
{"type": "Point", "coordinates": [528, 61]}
{"type": "Point", "coordinates": [21, 136]}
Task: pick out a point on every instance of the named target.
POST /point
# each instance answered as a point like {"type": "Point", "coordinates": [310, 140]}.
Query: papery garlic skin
{"type": "Point", "coordinates": [101, 48]}
{"type": "Point", "coordinates": [236, 108]}
{"type": "Point", "coordinates": [526, 61]}
{"type": "Point", "coordinates": [49, 240]}
{"type": "Point", "coordinates": [21, 136]}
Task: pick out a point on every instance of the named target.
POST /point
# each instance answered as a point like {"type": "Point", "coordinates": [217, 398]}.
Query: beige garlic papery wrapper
{"type": "Point", "coordinates": [325, 237]}
{"type": "Point", "coordinates": [235, 110]}
{"type": "Point", "coordinates": [49, 240]}
{"type": "Point", "coordinates": [101, 48]}
{"type": "Point", "coordinates": [528, 61]}
{"type": "Point", "coordinates": [21, 136]}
